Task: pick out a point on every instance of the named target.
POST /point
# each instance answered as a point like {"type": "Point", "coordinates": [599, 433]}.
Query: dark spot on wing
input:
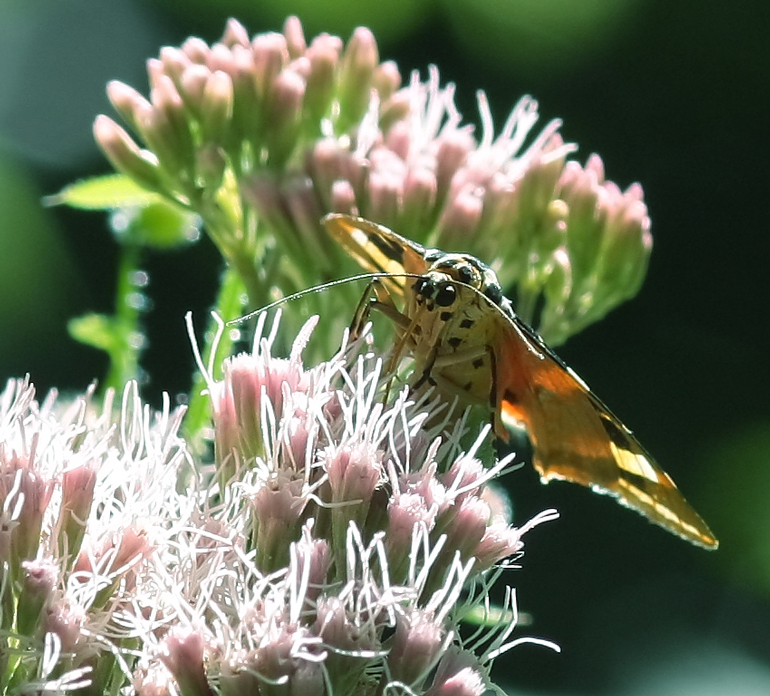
{"type": "Point", "coordinates": [468, 386]}
{"type": "Point", "coordinates": [508, 395]}
{"type": "Point", "coordinates": [455, 341]}
{"type": "Point", "coordinates": [466, 323]}
{"type": "Point", "coordinates": [478, 362]}
{"type": "Point", "coordinates": [393, 250]}
{"type": "Point", "coordinates": [446, 316]}
{"type": "Point", "coordinates": [616, 434]}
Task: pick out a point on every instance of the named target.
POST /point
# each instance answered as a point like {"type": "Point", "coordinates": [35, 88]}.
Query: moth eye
{"type": "Point", "coordinates": [446, 295]}
{"type": "Point", "coordinates": [494, 293]}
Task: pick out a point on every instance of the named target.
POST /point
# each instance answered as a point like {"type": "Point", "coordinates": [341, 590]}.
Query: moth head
{"type": "Point", "coordinates": [447, 269]}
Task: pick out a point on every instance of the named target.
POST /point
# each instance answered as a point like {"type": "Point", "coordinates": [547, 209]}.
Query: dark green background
{"type": "Point", "coordinates": [670, 94]}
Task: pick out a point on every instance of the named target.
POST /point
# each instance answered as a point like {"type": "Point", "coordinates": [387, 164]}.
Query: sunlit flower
{"type": "Point", "coordinates": [87, 496]}
{"type": "Point", "coordinates": [312, 582]}
{"type": "Point", "coordinates": [270, 134]}
{"type": "Point", "coordinates": [332, 546]}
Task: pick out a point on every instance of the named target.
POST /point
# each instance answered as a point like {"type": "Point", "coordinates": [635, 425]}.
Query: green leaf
{"type": "Point", "coordinates": [161, 225]}
{"type": "Point", "coordinates": [96, 330]}
{"type": "Point", "coordinates": [104, 193]}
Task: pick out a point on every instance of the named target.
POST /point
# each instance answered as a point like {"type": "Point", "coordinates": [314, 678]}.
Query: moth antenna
{"type": "Point", "coordinates": [318, 288]}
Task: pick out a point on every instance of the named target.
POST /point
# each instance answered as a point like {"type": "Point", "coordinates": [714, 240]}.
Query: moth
{"type": "Point", "coordinates": [466, 341]}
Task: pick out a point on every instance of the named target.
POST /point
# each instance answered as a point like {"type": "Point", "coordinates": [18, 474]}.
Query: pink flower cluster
{"type": "Point", "coordinates": [267, 135]}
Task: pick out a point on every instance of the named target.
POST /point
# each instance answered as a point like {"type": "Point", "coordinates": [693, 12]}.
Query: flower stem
{"type": "Point", "coordinates": [127, 336]}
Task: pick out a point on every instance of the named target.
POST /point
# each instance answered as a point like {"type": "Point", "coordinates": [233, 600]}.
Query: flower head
{"type": "Point", "coordinates": [272, 133]}
{"type": "Point", "coordinates": [377, 540]}
{"type": "Point", "coordinates": [88, 497]}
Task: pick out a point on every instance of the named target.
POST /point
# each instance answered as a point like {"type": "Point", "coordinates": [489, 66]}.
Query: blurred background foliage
{"type": "Point", "coordinates": [670, 94]}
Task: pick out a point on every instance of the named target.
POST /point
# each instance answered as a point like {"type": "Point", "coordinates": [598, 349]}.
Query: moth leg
{"type": "Point", "coordinates": [376, 296]}
{"type": "Point", "coordinates": [361, 314]}
{"type": "Point", "coordinates": [461, 356]}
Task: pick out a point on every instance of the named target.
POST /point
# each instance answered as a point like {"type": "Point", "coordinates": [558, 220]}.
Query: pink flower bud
{"type": "Point", "coordinates": [459, 674]}
{"type": "Point", "coordinates": [295, 37]}
{"type": "Point", "coordinates": [183, 654]}
{"type": "Point", "coordinates": [125, 99]}
{"type": "Point", "coordinates": [221, 58]}
{"type": "Point", "coordinates": [279, 506]}
{"type": "Point", "coordinates": [175, 62]}
{"type": "Point", "coordinates": [197, 50]}
{"type": "Point", "coordinates": [270, 55]}
{"type": "Point", "coordinates": [217, 107]}
{"type": "Point", "coordinates": [37, 591]}
{"type": "Point", "coordinates": [387, 79]}
{"type": "Point", "coordinates": [416, 643]}
{"type": "Point", "coordinates": [420, 192]}
{"type": "Point", "coordinates": [356, 73]}
{"type": "Point", "coordinates": [235, 34]}
{"type": "Point", "coordinates": [125, 155]}
{"type": "Point", "coordinates": [77, 497]}
{"type": "Point", "coordinates": [323, 56]}
{"type": "Point", "coordinates": [284, 116]}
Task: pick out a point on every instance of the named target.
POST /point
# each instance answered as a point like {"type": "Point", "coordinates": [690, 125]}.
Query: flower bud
{"type": "Point", "coordinates": [279, 506]}
{"type": "Point", "coordinates": [197, 50]}
{"type": "Point", "coordinates": [192, 86]}
{"type": "Point", "coordinates": [295, 37]}
{"type": "Point", "coordinates": [627, 248]}
{"type": "Point", "coordinates": [408, 514]}
{"type": "Point", "coordinates": [385, 193]}
{"type": "Point", "coordinates": [458, 674]}
{"type": "Point", "coordinates": [248, 117]}
{"type": "Point", "coordinates": [270, 55]}
{"type": "Point", "coordinates": [217, 108]}
{"type": "Point", "coordinates": [345, 640]}
{"type": "Point", "coordinates": [420, 191]}
{"type": "Point", "coordinates": [284, 117]}
{"type": "Point", "coordinates": [78, 486]}
{"type": "Point", "coordinates": [355, 79]}
{"type": "Point", "coordinates": [183, 656]}
{"type": "Point", "coordinates": [452, 151]}
{"type": "Point", "coordinates": [170, 123]}
{"type": "Point", "coordinates": [175, 63]}
{"type": "Point", "coordinates": [236, 34]}
{"type": "Point", "coordinates": [416, 643]}
{"type": "Point", "coordinates": [461, 217]}
{"type": "Point", "coordinates": [125, 155]}
{"type": "Point", "coordinates": [125, 100]}
{"type": "Point", "coordinates": [353, 476]}
{"type": "Point", "coordinates": [38, 584]}
{"type": "Point", "coordinates": [323, 55]}
{"type": "Point", "coordinates": [386, 79]}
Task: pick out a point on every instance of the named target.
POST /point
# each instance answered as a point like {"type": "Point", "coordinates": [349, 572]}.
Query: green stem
{"type": "Point", "coordinates": [124, 355]}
